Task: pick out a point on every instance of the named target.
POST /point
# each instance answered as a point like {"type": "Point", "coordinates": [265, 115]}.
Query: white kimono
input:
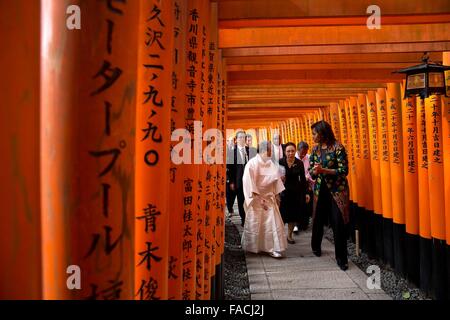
{"type": "Point", "coordinates": [263, 229]}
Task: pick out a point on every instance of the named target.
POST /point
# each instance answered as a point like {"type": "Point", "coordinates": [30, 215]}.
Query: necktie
{"type": "Point", "coordinates": [244, 156]}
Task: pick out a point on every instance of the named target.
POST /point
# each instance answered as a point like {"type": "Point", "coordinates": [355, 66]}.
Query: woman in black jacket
{"type": "Point", "coordinates": [294, 197]}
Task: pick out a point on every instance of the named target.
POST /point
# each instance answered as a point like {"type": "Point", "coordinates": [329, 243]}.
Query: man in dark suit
{"type": "Point", "coordinates": [251, 151]}
{"type": "Point", "coordinates": [236, 171]}
{"type": "Point", "coordinates": [230, 194]}
{"type": "Point", "coordinates": [278, 149]}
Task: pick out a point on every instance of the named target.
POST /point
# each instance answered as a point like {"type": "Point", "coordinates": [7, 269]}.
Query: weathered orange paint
{"type": "Point", "coordinates": [410, 164]}
{"type": "Point", "coordinates": [446, 149]}
{"type": "Point", "coordinates": [422, 175]}
{"type": "Point", "coordinates": [393, 105]}
{"type": "Point", "coordinates": [374, 151]}
{"type": "Point", "coordinates": [385, 152]}
{"type": "Point", "coordinates": [87, 167]}
{"type": "Point", "coordinates": [433, 114]}
{"type": "Point", "coordinates": [20, 230]}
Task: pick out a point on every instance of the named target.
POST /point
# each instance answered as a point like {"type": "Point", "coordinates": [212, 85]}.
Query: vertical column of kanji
{"type": "Point", "coordinates": [433, 113]}
{"type": "Point", "coordinates": [334, 121]}
{"type": "Point", "coordinates": [220, 181]}
{"type": "Point", "coordinates": [154, 91]}
{"type": "Point", "coordinates": [203, 6]}
{"type": "Point", "coordinates": [373, 133]}
{"type": "Point", "coordinates": [385, 172]}
{"type": "Point", "coordinates": [397, 178]}
{"type": "Point", "coordinates": [214, 150]}
{"type": "Point", "coordinates": [424, 199]}
{"type": "Point", "coordinates": [344, 131]}
{"type": "Point", "coordinates": [192, 113]}
{"type": "Point", "coordinates": [358, 182]}
{"type": "Point", "coordinates": [366, 176]}
{"type": "Point", "coordinates": [351, 165]}
{"type": "Point", "coordinates": [177, 169]}
{"type": "Point", "coordinates": [20, 233]}
{"type": "Point", "coordinates": [223, 125]}
{"type": "Point", "coordinates": [446, 158]}
{"type": "Point", "coordinates": [409, 125]}
{"type": "Point", "coordinates": [87, 97]}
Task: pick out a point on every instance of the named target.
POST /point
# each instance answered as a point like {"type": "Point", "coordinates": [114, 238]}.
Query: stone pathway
{"type": "Point", "coordinates": [303, 276]}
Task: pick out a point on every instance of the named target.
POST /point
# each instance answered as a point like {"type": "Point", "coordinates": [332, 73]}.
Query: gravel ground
{"type": "Point", "coordinates": [235, 268]}
{"type": "Point", "coordinates": [394, 285]}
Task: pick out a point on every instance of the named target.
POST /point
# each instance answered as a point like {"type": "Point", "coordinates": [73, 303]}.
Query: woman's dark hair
{"type": "Point", "coordinates": [324, 131]}
{"type": "Point", "coordinates": [289, 144]}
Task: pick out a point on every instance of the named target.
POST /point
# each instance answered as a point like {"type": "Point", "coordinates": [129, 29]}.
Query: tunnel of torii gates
{"type": "Point", "coordinates": [87, 185]}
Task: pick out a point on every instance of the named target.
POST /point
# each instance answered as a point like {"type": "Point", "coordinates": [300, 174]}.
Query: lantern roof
{"type": "Point", "coordinates": [425, 66]}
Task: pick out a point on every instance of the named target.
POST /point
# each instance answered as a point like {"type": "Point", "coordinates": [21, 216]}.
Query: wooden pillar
{"type": "Point", "coordinates": [373, 133]}
{"type": "Point", "coordinates": [433, 114]}
{"type": "Point", "coordinates": [334, 121]}
{"type": "Point", "coordinates": [177, 171]}
{"type": "Point", "coordinates": [20, 230]}
{"type": "Point", "coordinates": [344, 130]}
{"type": "Point", "coordinates": [154, 94]}
{"type": "Point", "coordinates": [192, 113]}
{"type": "Point", "coordinates": [385, 173]}
{"type": "Point", "coordinates": [393, 96]}
{"type": "Point", "coordinates": [446, 150]}
{"type": "Point", "coordinates": [87, 149]}
{"type": "Point", "coordinates": [351, 154]}
{"type": "Point", "coordinates": [411, 192]}
{"type": "Point", "coordinates": [423, 199]}
{"type": "Point", "coordinates": [368, 218]}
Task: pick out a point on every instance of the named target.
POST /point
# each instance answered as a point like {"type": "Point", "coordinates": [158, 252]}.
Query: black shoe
{"type": "Point", "coordinates": [291, 241]}
{"type": "Point", "coordinates": [317, 253]}
{"type": "Point", "coordinates": [343, 266]}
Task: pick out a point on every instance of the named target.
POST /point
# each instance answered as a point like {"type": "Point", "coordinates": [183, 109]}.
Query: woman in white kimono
{"type": "Point", "coordinates": [264, 227]}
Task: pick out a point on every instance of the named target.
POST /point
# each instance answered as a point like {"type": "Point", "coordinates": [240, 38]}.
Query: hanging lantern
{"type": "Point", "coordinates": [426, 79]}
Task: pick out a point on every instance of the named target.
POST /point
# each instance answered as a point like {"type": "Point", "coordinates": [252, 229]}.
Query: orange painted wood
{"type": "Point", "coordinates": [365, 151]}
{"type": "Point", "coordinates": [20, 230]}
{"type": "Point", "coordinates": [331, 35]}
{"type": "Point", "coordinates": [433, 114]}
{"type": "Point", "coordinates": [344, 126]}
{"type": "Point", "coordinates": [87, 165]}
{"type": "Point", "coordinates": [410, 163]}
{"type": "Point", "coordinates": [422, 176]}
{"type": "Point", "coordinates": [254, 9]}
{"type": "Point", "coordinates": [153, 152]}
{"type": "Point", "coordinates": [344, 59]}
{"type": "Point", "coordinates": [385, 152]}
{"type": "Point", "coordinates": [333, 21]}
{"type": "Point", "coordinates": [177, 172]}
{"type": "Point", "coordinates": [446, 149]}
{"type": "Point", "coordinates": [372, 123]}
{"type": "Point", "coordinates": [373, 48]}
{"type": "Point", "coordinates": [394, 100]}
{"type": "Point", "coordinates": [357, 166]}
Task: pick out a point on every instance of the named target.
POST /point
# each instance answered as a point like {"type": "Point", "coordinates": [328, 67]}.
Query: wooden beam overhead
{"type": "Point", "coordinates": [318, 66]}
{"type": "Point", "coordinates": [339, 49]}
{"type": "Point", "coordinates": [331, 35]}
{"type": "Point", "coordinates": [266, 9]}
{"type": "Point", "coordinates": [332, 21]}
{"type": "Point", "coordinates": [410, 57]}
{"type": "Point", "coordinates": [310, 76]}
